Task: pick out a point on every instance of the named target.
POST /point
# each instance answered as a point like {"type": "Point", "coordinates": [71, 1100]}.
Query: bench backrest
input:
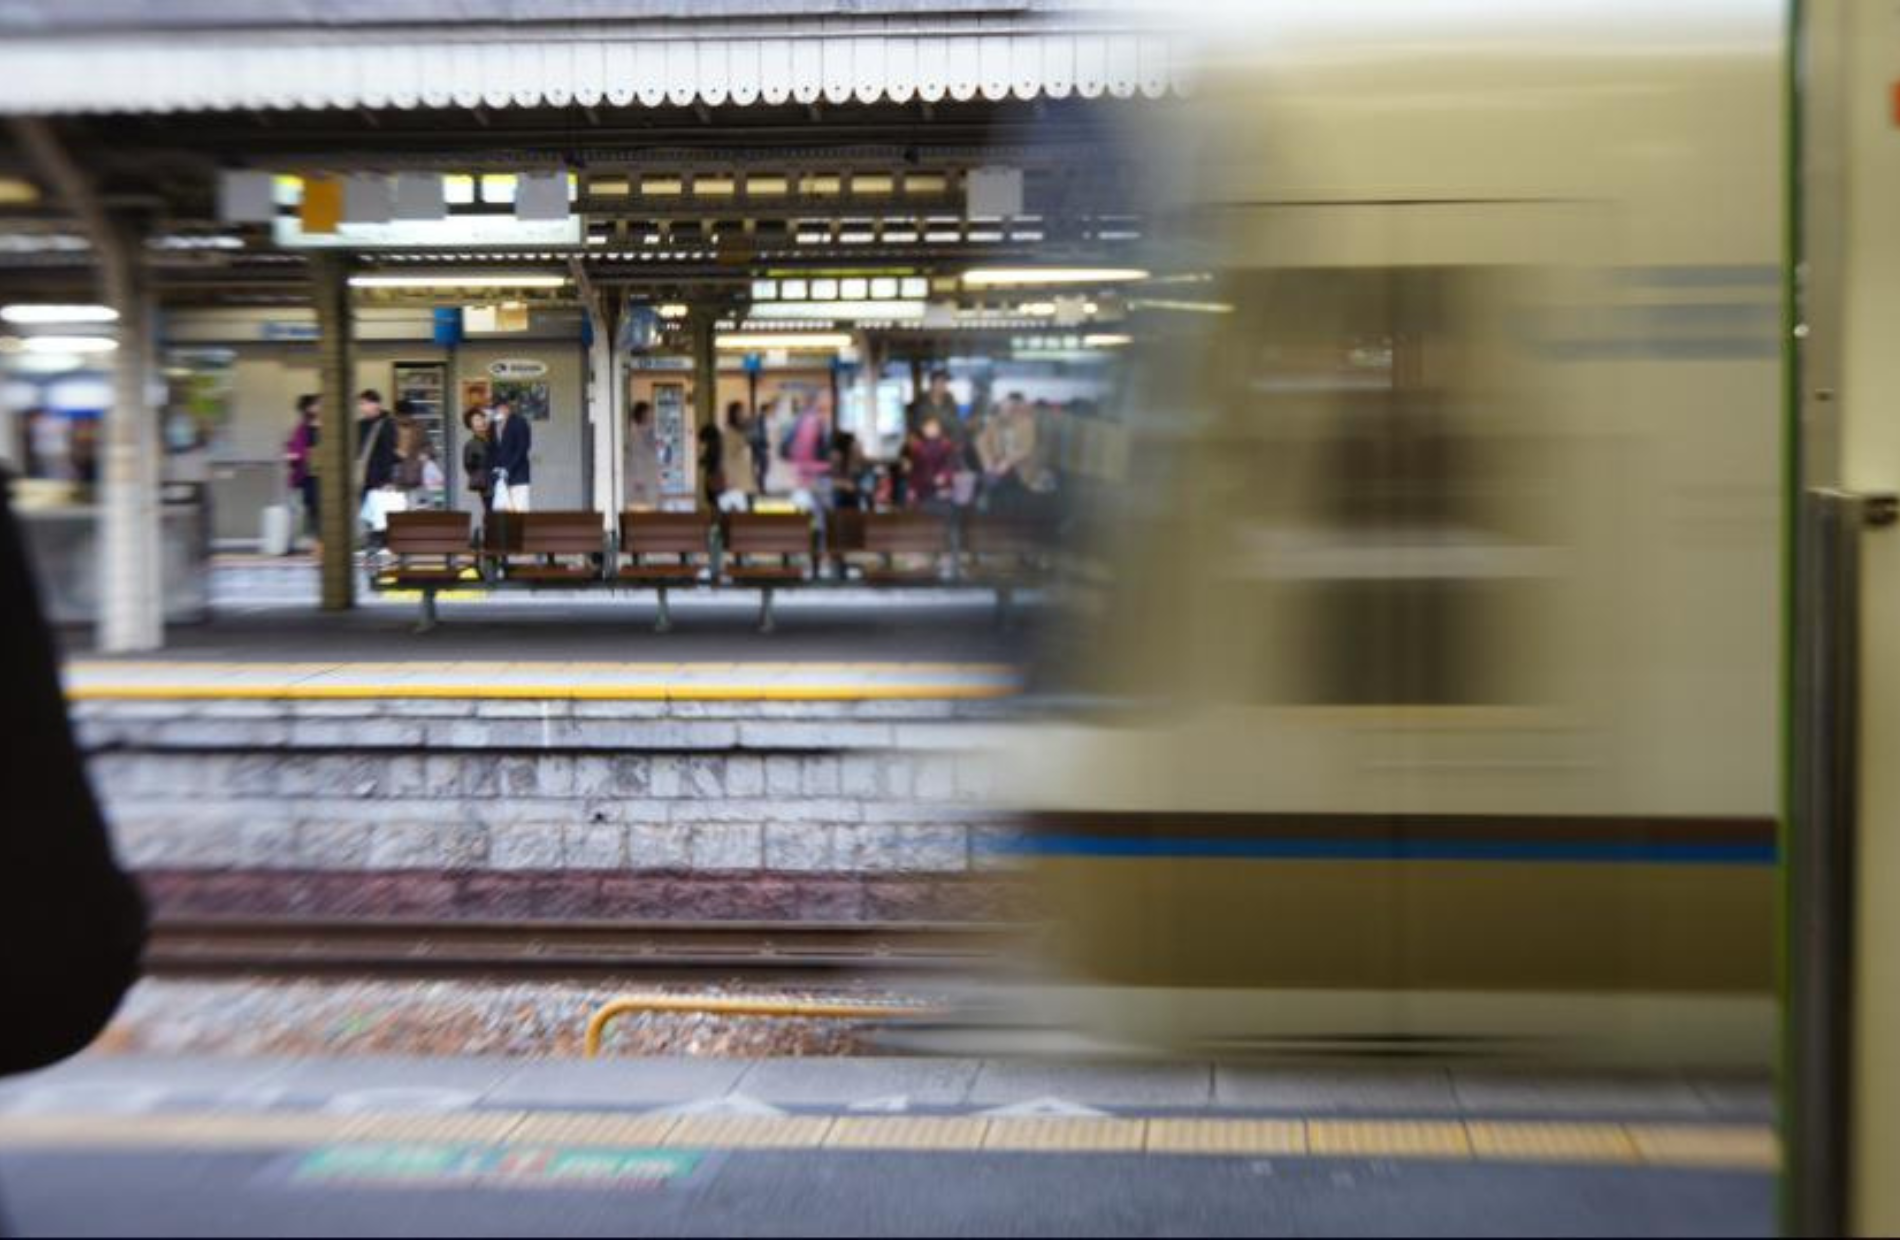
{"type": "Point", "coordinates": [560, 533]}
{"type": "Point", "coordinates": [905, 533]}
{"type": "Point", "coordinates": [768, 533]}
{"type": "Point", "coordinates": [662, 533]}
{"type": "Point", "coordinates": [987, 534]}
{"type": "Point", "coordinates": [428, 533]}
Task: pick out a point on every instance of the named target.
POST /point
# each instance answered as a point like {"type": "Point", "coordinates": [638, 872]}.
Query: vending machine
{"type": "Point", "coordinates": [425, 386]}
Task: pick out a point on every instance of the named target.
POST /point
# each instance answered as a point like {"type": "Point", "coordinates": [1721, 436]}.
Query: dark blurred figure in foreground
{"type": "Point", "coordinates": [72, 924]}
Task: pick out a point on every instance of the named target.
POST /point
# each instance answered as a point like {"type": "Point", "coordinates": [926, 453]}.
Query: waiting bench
{"type": "Point", "coordinates": [664, 551]}
{"type": "Point", "coordinates": [439, 537]}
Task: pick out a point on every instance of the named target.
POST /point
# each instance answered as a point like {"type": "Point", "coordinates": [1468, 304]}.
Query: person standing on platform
{"type": "Point", "coordinates": [510, 461]}
{"type": "Point", "coordinates": [712, 458]}
{"type": "Point", "coordinates": [299, 452]}
{"type": "Point", "coordinates": [375, 463]}
{"type": "Point", "coordinates": [476, 450]}
{"type": "Point", "coordinates": [847, 470]}
{"type": "Point", "coordinates": [736, 464]}
{"type": "Point", "coordinates": [809, 451]}
{"type": "Point", "coordinates": [933, 464]}
{"type": "Point", "coordinates": [779, 480]}
{"type": "Point", "coordinates": [935, 402]}
{"type": "Point", "coordinates": [642, 459]}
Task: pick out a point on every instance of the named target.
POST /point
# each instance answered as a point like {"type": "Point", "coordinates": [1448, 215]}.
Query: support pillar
{"type": "Point", "coordinates": [132, 591]}
{"type": "Point", "coordinates": [336, 442]}
{"type": "Point", "coordinates": [604, 395]}
{"type": "Point", "coordinates": [705, 387]}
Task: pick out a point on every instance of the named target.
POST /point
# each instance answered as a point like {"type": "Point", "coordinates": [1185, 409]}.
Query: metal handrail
{"type": "Point", "coordinates": [792, 1009]}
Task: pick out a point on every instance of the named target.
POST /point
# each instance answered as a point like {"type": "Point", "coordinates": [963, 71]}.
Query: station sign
{"type": "Point", "coordinates": [425, 1165]}
{"type": "Point", "coordinates": [517, 368]}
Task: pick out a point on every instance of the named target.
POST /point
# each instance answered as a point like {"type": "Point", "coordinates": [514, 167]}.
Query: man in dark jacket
{"type": "Point", "coordinates": [72, 924]}
{"type": "Point", "coordinates": [375, 440]}
{"type": "Point", "coordinates": [514, 443]}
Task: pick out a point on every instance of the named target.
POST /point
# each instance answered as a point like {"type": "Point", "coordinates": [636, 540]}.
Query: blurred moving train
{"type": "Point", "coordinates": [1443, 624]}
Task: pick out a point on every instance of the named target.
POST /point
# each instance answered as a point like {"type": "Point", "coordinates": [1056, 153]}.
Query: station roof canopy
{"type": "Point", "coordinates": [709, 143]}
{"type": "Point", "coordinates": [154, 56]}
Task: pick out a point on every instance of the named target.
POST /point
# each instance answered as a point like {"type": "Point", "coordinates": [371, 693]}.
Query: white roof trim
{"type": "Point", "coordinates": [48, 76]}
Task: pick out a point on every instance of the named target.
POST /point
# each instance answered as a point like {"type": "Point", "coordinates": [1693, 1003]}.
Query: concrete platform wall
{"type": "Point", "coordinates": [826, 810]}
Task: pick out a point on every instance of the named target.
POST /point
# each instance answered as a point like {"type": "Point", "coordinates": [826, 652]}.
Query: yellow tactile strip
{"type": "Point", "coordinates": [1739, 1147]}
{"type": "Point", "coordinates": [103, 681]}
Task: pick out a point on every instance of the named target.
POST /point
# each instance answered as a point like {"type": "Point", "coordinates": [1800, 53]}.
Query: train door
{"type": "Point", "coordinates": [1842, 1101]}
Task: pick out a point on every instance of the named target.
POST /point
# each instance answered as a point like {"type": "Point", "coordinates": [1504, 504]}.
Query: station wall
{"type": "Point", "coordinates": [269, 372]}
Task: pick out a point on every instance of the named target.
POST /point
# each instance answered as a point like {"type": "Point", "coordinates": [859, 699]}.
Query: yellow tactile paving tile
{"type": "Point", "coordinates": [1691, 1145]}
{"type": "Point", "coordinates": [90, 680]}
{"type": "Point", "coordinates": [1085, 1134]}
{"type": "Point", "coordinates": [1750, 1148]}
{"type": "Point", "coordinates": [1561, 1143]}
{"type": "Point", "coordinates": [739, 1132]}
{"type": "Point", "coordinates": [901, 1132]}
{"type": "Point", "coordinates": [1237, 1137]}
{"type": "Point", "coordinates": [186, 1130]}
{"type": "Point", "coordinates": [594, 1128]}
{"type": "Point", "coordinates": [1387, 1139]}
{"type": "Point", "coordinates": [485, 1126]}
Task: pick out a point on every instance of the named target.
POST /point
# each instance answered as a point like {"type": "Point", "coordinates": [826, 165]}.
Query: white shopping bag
{"type": "Point", "coordinates": [377, 505]}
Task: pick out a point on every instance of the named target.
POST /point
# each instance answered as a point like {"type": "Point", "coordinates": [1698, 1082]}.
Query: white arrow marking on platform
{"type": "Point", "coordinates": [894, 1105]}
{"type": "Point", "coordinates": [99, 1097]}
{"type": "Point", "coordinates": [401, 1098]}
{"type": "Point", "coordinates": [731, 1104]}
{"type": "Point", "coordinates": [1044, 1106]}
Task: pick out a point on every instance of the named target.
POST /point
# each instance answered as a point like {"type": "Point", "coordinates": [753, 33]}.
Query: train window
{"type": "Point", "coordinates": [1383, 486]}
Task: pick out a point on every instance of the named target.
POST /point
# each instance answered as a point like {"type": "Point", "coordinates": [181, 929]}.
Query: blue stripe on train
{"type": "Point", "coordinates": [1399, 850]}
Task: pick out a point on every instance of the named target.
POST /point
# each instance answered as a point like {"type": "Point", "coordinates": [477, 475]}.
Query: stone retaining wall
{"type": "Point", "coordinates": [556, 808]}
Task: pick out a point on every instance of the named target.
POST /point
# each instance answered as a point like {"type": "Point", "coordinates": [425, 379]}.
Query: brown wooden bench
{"type": "Point", "coordinates": [782, 540]}
{"type": "Point", "coordinates": [662, 550]}
{"type": "Point", "coordinates": [442, 537]}
{"type": "Point", "coordinates": [922, 536]}
{"type": "Point", "coordinates": [559, 547]}
{"type": "Point", "coordinates": [1004, 553]}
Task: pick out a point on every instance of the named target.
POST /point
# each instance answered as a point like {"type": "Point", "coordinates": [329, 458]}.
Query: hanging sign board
{"type": "Point", "coordinates": [517, 368]}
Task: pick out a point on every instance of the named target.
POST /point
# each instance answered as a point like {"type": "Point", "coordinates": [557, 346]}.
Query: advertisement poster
{"type": "Point", "coordinates": [528, 397]}
{"type": "Point", "coordinates": [672, 427]}
{"type": "Point", "coordinates": [522, 382]}
{"type": "Point", "coordinates": [198, 385]}
{"type": "Point", "coordinates": [476, 394]}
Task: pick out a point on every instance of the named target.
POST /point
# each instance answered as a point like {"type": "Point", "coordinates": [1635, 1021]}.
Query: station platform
{"type": "Point", "coordinates": [269, 610]}
{"type": "Point", "coordinates": [874, 1147]}
{"type": "Point", "coordinates": [391, 680]}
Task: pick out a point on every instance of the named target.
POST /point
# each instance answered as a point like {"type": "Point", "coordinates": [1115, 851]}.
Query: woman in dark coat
{"type": "Point", "coordinates": [476, 450]}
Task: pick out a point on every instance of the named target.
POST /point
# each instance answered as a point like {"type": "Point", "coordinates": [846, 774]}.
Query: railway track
{"type": "Point", "coordinates": [284, 946]}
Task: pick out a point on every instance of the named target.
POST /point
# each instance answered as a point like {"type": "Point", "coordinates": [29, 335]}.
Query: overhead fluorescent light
{"type": "Point", "coordinates": [69, 344]}
{"type": "Point", "coordinates": [1106, 340]}
{"type": "Point", "coordinates": [1185, 307]}
{"type": "Point", "coordinates": [46, 363]}
{"type": "Point", "coordinates": [996, 277]}
{"type": "Point", "coordinates": [864, 309]}
{"type": "Point", "coordinates": [454, 232]}
{"type": "Point", "coordinates": [458, 280]}
{"type": "Point", "coordinates": [31, 313]}
{"type": "Point", "coordinates": [760, 342]}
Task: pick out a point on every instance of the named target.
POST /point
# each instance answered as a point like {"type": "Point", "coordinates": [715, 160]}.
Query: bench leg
{"type": "Point", "coordinates": [664, 621]}
{"type": "Point", "coordinates": [427, 621]}
{"type": "Point", "coordinates": [765, 609]}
